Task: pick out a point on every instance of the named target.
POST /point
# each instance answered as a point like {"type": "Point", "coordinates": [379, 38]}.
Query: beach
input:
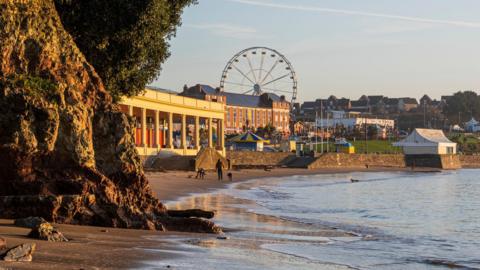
{"type": "Point", "coordinates": [111, 248]}
{"type": "Point", "coordinates": [98, 247]}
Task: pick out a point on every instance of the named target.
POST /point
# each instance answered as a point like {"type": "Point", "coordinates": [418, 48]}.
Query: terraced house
{"type": "Point", "coordinates": [246, 111]}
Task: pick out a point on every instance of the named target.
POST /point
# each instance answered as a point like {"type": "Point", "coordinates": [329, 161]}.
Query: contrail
{"type": "Point", "coordinates": [359, 13]}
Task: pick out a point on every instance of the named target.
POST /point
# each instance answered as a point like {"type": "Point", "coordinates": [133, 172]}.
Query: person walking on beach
{"type": "Point", "coordinates": [219, 167]}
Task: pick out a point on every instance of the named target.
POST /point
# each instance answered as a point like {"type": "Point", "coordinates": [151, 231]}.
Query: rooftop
{"type": "Point", "coordinates": [241, 99]}
{"type": "Point", "coordinates": [162, 90]}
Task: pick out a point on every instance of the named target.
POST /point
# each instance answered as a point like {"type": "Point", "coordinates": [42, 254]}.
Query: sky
{"type": "Point", "coordinates": [345, 48]}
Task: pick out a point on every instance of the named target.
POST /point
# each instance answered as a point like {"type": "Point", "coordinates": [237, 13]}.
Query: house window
{"type": "Point", "coordinates": [449, 150]}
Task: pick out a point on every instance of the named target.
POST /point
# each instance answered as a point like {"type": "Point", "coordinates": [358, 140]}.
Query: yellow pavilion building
{"type": "Point", "coordinates": [175, 125]}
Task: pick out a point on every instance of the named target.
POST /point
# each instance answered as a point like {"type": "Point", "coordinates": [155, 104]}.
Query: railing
{"type": "Point", "coordinates": [183, 101]}
{"type": "Point", "coordinates": [150, 151]}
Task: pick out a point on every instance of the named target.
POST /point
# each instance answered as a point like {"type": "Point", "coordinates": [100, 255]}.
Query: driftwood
{"type": "Point", "coordinates": [191, 213]}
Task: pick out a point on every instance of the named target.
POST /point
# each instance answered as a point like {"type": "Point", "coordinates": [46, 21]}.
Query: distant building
{"type": "Point", "coordinates": [351, 121]}
{"type": "Point", "coordinates": [309, 109]}
{"type": "Point", "coordinates": [427, 142]}
{"type": "Point", "coordinates": [244, 112]}
{"type": "Point", "coordinates": [360, 105]}
{"type": "Point", "coordinates": [407, 104]}
{"type": "Point", "coordinates": [425, 100]}
{"type": "Point", "coordinates": [391, 105]}
{"type": "Point", "coordinates": [300, 128]}
{"type": "Point", "coordinates": [445, 99]}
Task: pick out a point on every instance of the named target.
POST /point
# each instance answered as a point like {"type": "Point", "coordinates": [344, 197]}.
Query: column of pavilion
{"type": "Point", "coordinates": [169, 137]}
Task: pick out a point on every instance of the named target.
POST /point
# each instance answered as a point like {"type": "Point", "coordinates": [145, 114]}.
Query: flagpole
{"type": "Point", "coordinates": [316, 131]}
{"type": "Point", "coordinates": [321, 123]}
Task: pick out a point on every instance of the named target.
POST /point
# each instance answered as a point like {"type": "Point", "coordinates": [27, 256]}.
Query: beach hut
{"type": "Point", "coordinates": [427, 142]}
{"type": "Point", "coordinates": [248, 141]}
{"type": "Point", "coordinates": [342, 146]}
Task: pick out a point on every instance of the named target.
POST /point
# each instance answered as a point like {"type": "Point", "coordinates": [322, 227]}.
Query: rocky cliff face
{"type": "Point", "coordinates": [66, 153]}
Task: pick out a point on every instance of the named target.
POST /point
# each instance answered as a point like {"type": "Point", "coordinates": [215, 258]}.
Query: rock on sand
{"type": "Point", "coordinates": [21, 253]}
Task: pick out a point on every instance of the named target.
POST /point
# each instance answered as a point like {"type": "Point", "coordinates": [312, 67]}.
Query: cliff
{"type": "Point", "coordinates": [66, 152]}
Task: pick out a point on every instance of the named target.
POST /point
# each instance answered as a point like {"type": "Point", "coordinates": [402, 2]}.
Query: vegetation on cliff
{"type": "Point", "coordinates": [125, 41]}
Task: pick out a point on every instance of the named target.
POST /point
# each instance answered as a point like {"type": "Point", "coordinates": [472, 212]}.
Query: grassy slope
{"type": "Point", "coordinates": [373, 146]}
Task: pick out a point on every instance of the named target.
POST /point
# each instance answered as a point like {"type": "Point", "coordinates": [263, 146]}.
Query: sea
{"type": "Point", "coordinates": [386, 220]}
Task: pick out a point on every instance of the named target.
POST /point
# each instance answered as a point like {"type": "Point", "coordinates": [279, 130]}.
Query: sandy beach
{"type": "Point", "coordinates": [109, 248]}
{"type": "Point", "coordinates": [173, 185]}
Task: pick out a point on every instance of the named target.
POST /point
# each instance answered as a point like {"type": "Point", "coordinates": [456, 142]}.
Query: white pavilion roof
{"type": "Point", "coordinates": [421, 136]}
{"type": "Point", "coordinates": [472, 122]}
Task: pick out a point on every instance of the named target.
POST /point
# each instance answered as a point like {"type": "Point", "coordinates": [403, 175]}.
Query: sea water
{"type": "Point", "coordinates": [396, 220]}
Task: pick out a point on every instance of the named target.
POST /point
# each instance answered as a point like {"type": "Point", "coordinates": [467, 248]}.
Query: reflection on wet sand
{"type": "Point", "coordinates": [249, 235]}
{"type": "Point", "coordinates": [233, 214]}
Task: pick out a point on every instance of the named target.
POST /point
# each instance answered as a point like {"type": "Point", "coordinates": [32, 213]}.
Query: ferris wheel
{"type": "Point", "coordinates": [259, 70]}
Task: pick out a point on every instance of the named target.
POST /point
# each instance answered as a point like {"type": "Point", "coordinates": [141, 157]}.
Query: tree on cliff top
{"type": "Point", "coordinates": [125, 41]}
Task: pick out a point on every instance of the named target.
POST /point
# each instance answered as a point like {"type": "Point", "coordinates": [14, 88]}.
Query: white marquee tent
{"type": "Point", "coordinates": [427, 142]}
{"type": "Point", "coordinates": [472, 125]}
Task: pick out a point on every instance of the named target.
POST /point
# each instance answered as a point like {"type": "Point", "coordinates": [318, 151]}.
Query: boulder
{"type": "Point", "coordinates": [29, 222]}
{"type": "Point", "coordinates": [197, 225]}
{"type": "Point", "coordinates": [21, 253]}
{"type": "Point", "coordinates": [45, 231]}
{"type": "Point", "coordinates": [191, 213]}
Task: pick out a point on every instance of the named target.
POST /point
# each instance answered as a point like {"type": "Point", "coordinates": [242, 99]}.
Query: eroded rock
{"type": "Point", "coordinates": [67, 153]}
{"type": "Point", "coordinates": [29, 222]}
{"type": "Point", "coordinates": [46, 231]}
{"type": "Point", "coordinates": [21, 253]}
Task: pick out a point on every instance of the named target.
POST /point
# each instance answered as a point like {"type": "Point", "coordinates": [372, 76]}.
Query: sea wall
{"type": "Point", "coordinates": [450, 162]}
{"type": "Point", "coordinates": [333, 160]}
{"type": "Point", "coordinates": [250, 159]}
{"type": "Point", "coordinates": [446, 162]}
{"type": "Point", "coordinates": [470, 161]}
{"type": "Point", "coordinates": [173, 163]}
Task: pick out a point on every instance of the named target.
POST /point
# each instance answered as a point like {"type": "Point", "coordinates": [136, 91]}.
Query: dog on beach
{"type": "Point", "coordinates": [200, 174]}
{"type": "Point", "coordinates": [230, 176]}
{"type": "Point", "coordinates": [354, 180]}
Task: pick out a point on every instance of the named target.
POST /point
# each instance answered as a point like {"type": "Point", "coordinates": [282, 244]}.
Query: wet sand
{"type": "Point", "coordinates": [108, 248]}
{"type": "Point", "coordinates": [89, 248]}
{"type": "Point", "coordinates": [173, 185]}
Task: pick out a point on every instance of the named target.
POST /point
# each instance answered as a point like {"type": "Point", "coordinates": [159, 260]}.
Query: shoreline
{"type": "Point", "coordinates": [136, 247]}
{"type": "Point", "coordinates": [172, 186]}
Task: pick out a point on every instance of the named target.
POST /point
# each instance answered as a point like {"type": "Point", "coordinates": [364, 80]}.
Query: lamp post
{"type": "Point", "coordinates": [424, 114]}
{"type": "Point", "coordinates": [366, 134]}
{"type": "Point", "coordinates": [315, 133]}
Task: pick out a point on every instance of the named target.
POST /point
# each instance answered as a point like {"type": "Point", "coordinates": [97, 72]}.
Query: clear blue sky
{"type": "Point", "coordinates": [341, 47]}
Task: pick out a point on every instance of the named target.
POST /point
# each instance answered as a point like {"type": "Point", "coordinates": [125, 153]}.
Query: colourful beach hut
{"type": "Point", "coordinates": [248, 141]}
{"type": "Point", "coordinates": [344, 147]}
